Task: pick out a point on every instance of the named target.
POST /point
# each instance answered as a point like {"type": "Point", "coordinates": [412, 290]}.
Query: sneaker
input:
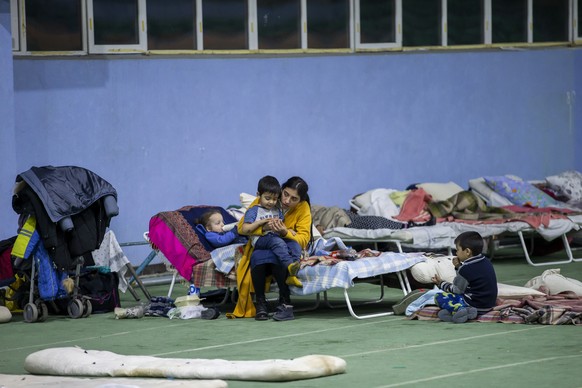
{"type": "Point", "coordinates": [445, 315]}
{"type": "Point", "coordinates": [210, 313]}
{"type": "Point", "coordinates": [130, 313]}
{"type": "Point", "coordinates": [284, 313]}
{"type": "Point", "coordinates": [471, 313]}
{"type": "Point", "coordinates": [461, 315]}
{"type": "Point", "coordinates": [400, 307]}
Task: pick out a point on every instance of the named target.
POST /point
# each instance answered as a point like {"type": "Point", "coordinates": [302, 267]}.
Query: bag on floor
{"type": "Point", "coordinates": [102, 290]}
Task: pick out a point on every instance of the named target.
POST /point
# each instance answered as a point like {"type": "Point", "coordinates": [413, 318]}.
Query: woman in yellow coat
{"type": "Point", "coordinates": [256, 265]}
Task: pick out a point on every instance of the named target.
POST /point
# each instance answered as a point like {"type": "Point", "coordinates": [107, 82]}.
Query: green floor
{"type": "Point", "coordinates": [380, 352]}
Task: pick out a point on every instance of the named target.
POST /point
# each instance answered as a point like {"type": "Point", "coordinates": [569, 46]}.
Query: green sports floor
{"type": "Point", "coordinates": [389, 351]}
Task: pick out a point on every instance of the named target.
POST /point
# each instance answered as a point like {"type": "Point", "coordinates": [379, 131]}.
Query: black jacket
{"type": "Point", "coordinates": [54, 193]}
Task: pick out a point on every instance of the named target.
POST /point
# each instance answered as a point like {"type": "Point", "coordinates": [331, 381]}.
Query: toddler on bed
{"type": "Point", "coordinates": [211, 225]}
{"type": "Point", "coordinates": [265, 214]}
{"type": "Point", "coordinates": [474, 289]}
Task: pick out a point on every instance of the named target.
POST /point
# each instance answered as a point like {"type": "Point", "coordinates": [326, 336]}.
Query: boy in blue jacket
{"type": "Point", "coordinates": [474, 289]}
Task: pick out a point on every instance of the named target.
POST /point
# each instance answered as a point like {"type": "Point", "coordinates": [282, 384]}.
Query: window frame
{"type": "Point", "coordinates": [445, 13]}
{"type": "Point", "coordinates": [140, 47]}
{"type": "Point", "coordinates": [18, 25]}
{"type": "Point", "coordinates": [197, 27]}
{"type": "Point", "coordinates": [15, 25]}
{"type": "Point", "coordinates": [576, 5]}
{"type": "Point", "coordinates": [396, 45]}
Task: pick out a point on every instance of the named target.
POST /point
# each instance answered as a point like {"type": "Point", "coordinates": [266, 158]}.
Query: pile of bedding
{"type": "Point", "coordinates": [506, 203]}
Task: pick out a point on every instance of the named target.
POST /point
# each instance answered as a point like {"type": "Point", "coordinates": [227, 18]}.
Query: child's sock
{"type": "Point", "coordinates": [293, 268]}
{"type": "Point", "coordinates": [293, 281]}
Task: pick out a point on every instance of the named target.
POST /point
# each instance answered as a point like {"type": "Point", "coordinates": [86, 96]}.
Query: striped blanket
{"type": "Point", "coordinates": [320, 273]}
{"type": "Point", "coordinates": [321, 277]}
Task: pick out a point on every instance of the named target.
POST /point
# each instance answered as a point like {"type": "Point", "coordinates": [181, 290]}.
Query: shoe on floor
{"type": "Point", "coordinates": [284, 313]}
{"type": "Point", "coordinates": [471, 313]}
{"type": "Point", "coordinates": [400, 307]}
{"type": "Point", "coordinates": [262, 313]}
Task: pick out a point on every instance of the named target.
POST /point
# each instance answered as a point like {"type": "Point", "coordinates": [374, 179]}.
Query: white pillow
{"type": "Point", "coordinates": [568, 184]}
{"type": "Point", "coordinates": [493, 199]}
{"type": "Point", "coordinates": [554, 283]}
{"type": "Point", "coordinates": [5, 314]}
{"type": "Point", "coordinates": [246, 200]}
{"type": "Point", "coordinates": [442, 266]}
{"type": "Point", "coordinates": [376, 202]}
{"type": "Point", "coordinates": [441, 191]}
{"type": "Point", "coordinates": [507, 291]}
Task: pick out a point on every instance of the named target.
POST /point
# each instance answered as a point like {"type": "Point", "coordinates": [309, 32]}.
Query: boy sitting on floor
{"type": "Point", "coordinates": [474, 290]}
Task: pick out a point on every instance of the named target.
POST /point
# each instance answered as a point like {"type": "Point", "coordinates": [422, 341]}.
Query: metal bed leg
{"type": "Point", "coordinates": [311, 308]}
{"type": "Point", "coordinates": [569, 249]}
{"type": "Point", "coordinates": [143, 265]}
{"type": "Point", "coordinates": [380, 299]}
{"type": "Point", "coordinates": [138, 280]}
{"type": "Point", "coordinates": [353, 314]}
{"type": "Point", "coordinates": [566, 246]}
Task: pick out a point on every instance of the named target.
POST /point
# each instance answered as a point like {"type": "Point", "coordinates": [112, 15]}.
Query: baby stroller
{"type": "Point", "coordinates": [64, 214]}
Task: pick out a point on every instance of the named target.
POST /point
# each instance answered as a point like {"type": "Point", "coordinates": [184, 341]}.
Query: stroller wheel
{"type": "Point", "coordinates": [30, 313]}
{"type": "Point", "coordinates": [88, 308]}
{"type": "Point", "coordinates": [42, 311]}
{"type": "Point", "coordinates": [75, 308]}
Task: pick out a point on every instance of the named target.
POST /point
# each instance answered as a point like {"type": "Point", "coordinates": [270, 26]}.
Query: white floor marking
{"type": "Point", "coordinates": [479, 370]}
{"type": "Point", "coordinates": [441, 342]}
{"type": "Point", "coordinates": [303, 334]}
{"type": "Point", "coordinates": [65, 342]}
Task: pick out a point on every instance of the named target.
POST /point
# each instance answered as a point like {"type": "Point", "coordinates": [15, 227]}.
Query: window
{"type": "Point", "coordinates": [509, 21]}
{"type": "Point", "coordinates": [421, 23]}
{"type": "Point", "coordinates": [550, 20]}
{"type": "Point", "coordinates": [328, 24]}
{"type": "Point", "coordinates": [51, 26]}
{"type": "Point", "coordinates": [465, 22]}
{"type": "Point", "coordinates": [279, 24]}
{"type": "Point", "coordinates": [61, 27]}
{"type": "Point", "coordinates": [225, 24]}
{"type": "Point", "coordinates": [171, 25]}
{"type": "Point", "coordinates": [378, 23]}
{"type": "Point", "coordinates": [116, 26]}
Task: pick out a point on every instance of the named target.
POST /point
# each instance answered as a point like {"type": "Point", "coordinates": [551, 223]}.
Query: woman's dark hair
{"type": "Point", "coordinates": [300, 185]}
{"type": "Point", "coordinates": [297, 183]}
{"type": "Point", "coordinates": [269, 184]}
{"type": "Point", "coordinates": [471, 240]}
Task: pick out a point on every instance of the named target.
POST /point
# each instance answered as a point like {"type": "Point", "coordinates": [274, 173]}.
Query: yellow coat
{"type": "Point", "coordinates": [299, 220]}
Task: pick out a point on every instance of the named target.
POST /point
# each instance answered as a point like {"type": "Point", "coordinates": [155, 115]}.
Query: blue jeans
{"type": "Point", "coordinates": [287, 251]}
